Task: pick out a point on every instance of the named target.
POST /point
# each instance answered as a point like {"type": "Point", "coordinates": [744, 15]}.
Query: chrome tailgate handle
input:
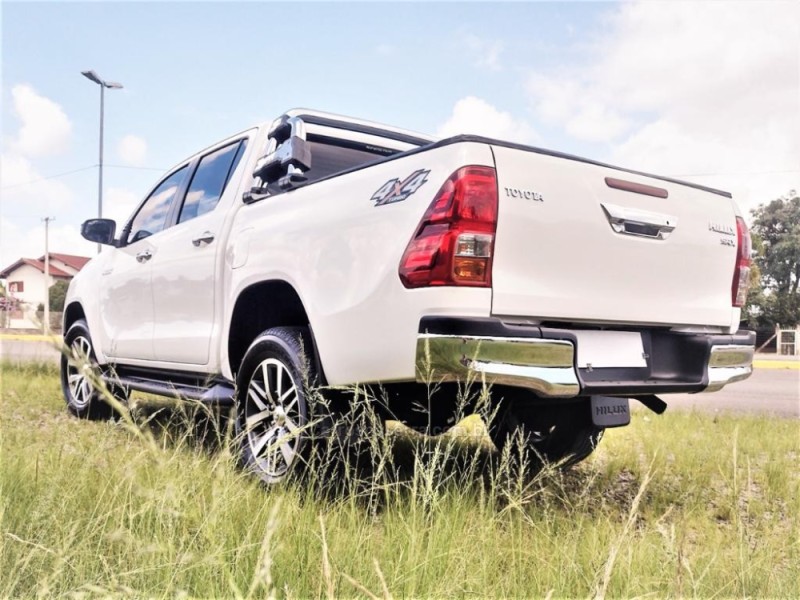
{"type": "Point", "coordinates": [641, 223]}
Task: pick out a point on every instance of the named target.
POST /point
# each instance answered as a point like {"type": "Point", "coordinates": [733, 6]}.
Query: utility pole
{"type": "Point", "coordinates": [46, 325]}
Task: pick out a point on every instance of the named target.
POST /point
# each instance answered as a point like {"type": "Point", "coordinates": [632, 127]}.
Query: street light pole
{"type": "Point", "coordinates": [100, 159]}
{"type": "Point", "coordinates": [92, 76]}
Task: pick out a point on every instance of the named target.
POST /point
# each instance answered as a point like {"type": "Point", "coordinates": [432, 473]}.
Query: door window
{"type": "Point", "coordinates": [209, 181]}
{"type": "Point", "coordinates": [152, 216]}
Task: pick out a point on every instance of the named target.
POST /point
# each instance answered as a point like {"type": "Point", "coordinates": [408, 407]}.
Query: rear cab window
{"type": "Point", "coordinates": [209, 180]}
{"type": "Point", "coordinates": [330, 155]}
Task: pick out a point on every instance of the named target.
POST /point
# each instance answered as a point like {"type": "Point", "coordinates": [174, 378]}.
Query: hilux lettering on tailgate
{"type": "Point", "coordinates": [395, 190]}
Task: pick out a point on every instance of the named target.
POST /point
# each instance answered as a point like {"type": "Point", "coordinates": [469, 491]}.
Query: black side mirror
{"type": "Point", "coordinates": [99, 230]}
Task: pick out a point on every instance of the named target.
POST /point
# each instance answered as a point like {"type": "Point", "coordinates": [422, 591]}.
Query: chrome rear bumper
{"type": "Point", "coordinates": [728, 364]}
{"type": "Point", "coordinates": [544, 366]}
{"type": "Point", "coordinates": [675, 362]}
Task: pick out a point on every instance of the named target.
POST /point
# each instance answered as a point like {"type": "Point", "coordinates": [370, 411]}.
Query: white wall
{"type": "Point", "coordinates": [33, 280]}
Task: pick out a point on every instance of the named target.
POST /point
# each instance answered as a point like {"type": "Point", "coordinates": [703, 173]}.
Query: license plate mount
{"type": "Point", "coordinates": [602, 349]}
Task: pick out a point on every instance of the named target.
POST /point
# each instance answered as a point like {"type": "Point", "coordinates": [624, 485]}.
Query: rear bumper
{"type": "Point", "coordinates": [543, 359]}
{"type": "Point", "coordinates": [729, 363]}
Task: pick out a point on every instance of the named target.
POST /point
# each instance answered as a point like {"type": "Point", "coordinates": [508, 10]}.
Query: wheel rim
{"type": "Point", "coordinates": [272, 418]}
{"type": "Point", "coordinates": [79, 368]}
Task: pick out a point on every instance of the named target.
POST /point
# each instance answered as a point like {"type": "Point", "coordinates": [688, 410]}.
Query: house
{"type": "Point", "coordinates": [25, 279]}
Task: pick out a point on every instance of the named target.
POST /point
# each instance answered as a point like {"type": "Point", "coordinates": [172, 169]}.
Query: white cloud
{"type": "Point", "coordinates": [44, 127]}
{"type": "Point", "coordinates": [584, 112]}
{"type": "Point", "coordinates": [476, 116]}
{"type": "Point", "coordinates": [132, 150]}
{"type": "Point", "coordinates": [119, 204]}
{"type": "Point", "coordinates": [22, 232]}
{"type": "Point", "coordinates": [596, 122]}
{"type": "Point", "coordinates": [28, 242]}
{"type": "Point", "coordinates": [485, 53]}
{"type": "Point", "coordinates": [24, 188]}
{"type": "Point", "coordinates": [707, 91]}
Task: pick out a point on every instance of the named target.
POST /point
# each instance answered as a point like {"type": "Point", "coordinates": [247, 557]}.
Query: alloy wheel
{"type": "Point", "coordinates": [272, 418]}
{"type": "Point", "coordinates": [80, 371]}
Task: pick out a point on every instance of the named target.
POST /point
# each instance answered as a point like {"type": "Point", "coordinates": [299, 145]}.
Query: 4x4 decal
{"type": "Point", "coordinates": [395, 190]}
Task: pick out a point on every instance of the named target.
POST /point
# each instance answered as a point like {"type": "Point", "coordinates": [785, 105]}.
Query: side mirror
{"type": "Point", "coordinates": [99, 230]}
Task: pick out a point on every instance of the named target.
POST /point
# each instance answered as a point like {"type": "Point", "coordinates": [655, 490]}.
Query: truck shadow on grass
{"type": "Point", "coordinates": [396, 465]}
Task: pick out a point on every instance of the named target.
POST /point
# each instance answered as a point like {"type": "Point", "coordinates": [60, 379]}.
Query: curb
{"type": "Point", "coordinates": [30, 337]}
{"type": "Point", "coordinates": [777, 364]}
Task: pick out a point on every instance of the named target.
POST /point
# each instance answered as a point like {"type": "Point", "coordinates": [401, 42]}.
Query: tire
{"type": "Point", "coordinates": [307, 429]}
{"type": "Point", "coordinates": [273, 386]}
{"type": "Point", "coordinates": [79, 369]}
{"type": "Point", "coordinates": [558, 434]}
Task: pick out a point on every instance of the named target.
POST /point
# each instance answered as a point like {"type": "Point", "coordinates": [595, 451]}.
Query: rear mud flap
{"type": "Point", "coordinates": [608, 411]}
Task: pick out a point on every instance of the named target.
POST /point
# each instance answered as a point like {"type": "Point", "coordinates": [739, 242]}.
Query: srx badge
{"type": "Point", "coordinates": [395, 190]}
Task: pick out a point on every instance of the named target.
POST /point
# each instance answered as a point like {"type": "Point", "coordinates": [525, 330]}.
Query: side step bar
{"type": "Point", "coordinates": [218, 393]}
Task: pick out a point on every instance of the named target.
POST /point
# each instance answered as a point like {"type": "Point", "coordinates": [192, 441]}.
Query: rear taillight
{"type": "Point", "coordinates": [741, 274]}
{"type": "Point", "coordinates": [454, 240]}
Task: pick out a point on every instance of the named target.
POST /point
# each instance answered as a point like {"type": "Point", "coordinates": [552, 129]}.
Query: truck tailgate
{"type": "Point", "coordinates": [572, 246]}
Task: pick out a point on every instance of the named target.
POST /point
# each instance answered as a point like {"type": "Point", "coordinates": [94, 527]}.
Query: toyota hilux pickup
{"type": "Point", "coordinates": [319, 252]}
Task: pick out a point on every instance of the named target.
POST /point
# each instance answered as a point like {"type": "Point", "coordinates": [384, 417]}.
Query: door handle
{"type": "Point", "coordinates": [204, 238]}
{"type": "Point", "coordinates": [144, 256]}
{"type": "Point", "coordinates": [642, 223]}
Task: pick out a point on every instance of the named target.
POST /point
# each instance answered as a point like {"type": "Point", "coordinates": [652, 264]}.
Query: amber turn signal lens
{"type": "Point", "coordinates": [470, 269]}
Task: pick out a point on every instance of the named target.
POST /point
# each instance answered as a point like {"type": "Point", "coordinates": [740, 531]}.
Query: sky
{"type": "Point", "coordinates": [705, 91]}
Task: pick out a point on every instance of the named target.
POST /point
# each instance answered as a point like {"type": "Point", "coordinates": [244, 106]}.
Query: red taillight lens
{"type": "Point", "coordinates": [741, 274]}
{"type": "Point", "coordinates": [455, 238]}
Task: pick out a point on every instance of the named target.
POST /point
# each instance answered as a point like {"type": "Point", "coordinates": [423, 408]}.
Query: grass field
{"type": "Point", "coordinates": [678, 505]}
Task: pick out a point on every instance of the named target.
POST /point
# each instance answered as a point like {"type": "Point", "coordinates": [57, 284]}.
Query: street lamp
{"type": "Point", "coordinates": [91, 75]}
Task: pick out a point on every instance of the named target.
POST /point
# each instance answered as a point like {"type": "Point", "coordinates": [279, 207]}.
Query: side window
{"type": "Point", "coordinates": [209, 180]}
{"type": "Point", "coordinates": [152, 216]}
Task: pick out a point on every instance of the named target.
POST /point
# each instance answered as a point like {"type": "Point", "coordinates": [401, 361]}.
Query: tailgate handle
{"type": "Point", "coordinates": [641, 223]}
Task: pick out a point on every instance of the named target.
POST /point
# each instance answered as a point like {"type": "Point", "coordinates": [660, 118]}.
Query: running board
{"type": "Point", "coordinates": [218, 393]}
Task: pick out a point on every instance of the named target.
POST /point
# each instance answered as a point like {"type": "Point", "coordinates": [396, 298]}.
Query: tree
{"type": "Point", "coordinates": [776, 229]}
{"type": "Point", "coordinates": [58, 293]}
{"type": "Point", "coordinates": [754, 310]}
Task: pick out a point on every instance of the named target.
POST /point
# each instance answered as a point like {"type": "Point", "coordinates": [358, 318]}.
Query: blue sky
{"type": "Point", "coordinates": [638, 84]}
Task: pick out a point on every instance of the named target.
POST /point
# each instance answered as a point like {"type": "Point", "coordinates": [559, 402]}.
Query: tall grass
{"type": "Point", "coordinates": [154, 505]}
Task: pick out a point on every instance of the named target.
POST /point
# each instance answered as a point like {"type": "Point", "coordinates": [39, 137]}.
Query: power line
{"type": "Point", "coordinates": [64, 174]}
{"type": "Point", "coordinates": [16, 185]}
{"type": "Point", "coordinates": [132, 167]}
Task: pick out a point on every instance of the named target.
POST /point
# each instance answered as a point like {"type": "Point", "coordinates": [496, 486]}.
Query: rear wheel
{"type": "Point", "coordinates": [272, 404]}
{"type": "Point", "coordinates": [561, 434]}
{"type": "Point", "coordinates": [283, 423]}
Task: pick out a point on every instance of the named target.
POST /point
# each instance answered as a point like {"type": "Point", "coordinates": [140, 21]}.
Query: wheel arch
{"type": "Point", "coordinates": [72, 313]}
{"type": "Point", "coordinates": [261, 306]}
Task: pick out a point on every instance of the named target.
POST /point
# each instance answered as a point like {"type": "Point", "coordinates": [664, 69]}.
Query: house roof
{"type": "Point", "coordinates": [37, 264]}
{"type": "Point", "coordinates": [76, 262]}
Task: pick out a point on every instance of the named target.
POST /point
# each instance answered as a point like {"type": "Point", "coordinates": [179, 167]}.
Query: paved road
{"type": "Point", "coordinates": [769, 391]}
{"type": "Point", "coordinates": [22, 350]}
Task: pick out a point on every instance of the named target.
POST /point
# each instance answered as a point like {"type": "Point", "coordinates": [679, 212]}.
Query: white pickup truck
{"type": "Point", "coordinates": [347, 252]}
